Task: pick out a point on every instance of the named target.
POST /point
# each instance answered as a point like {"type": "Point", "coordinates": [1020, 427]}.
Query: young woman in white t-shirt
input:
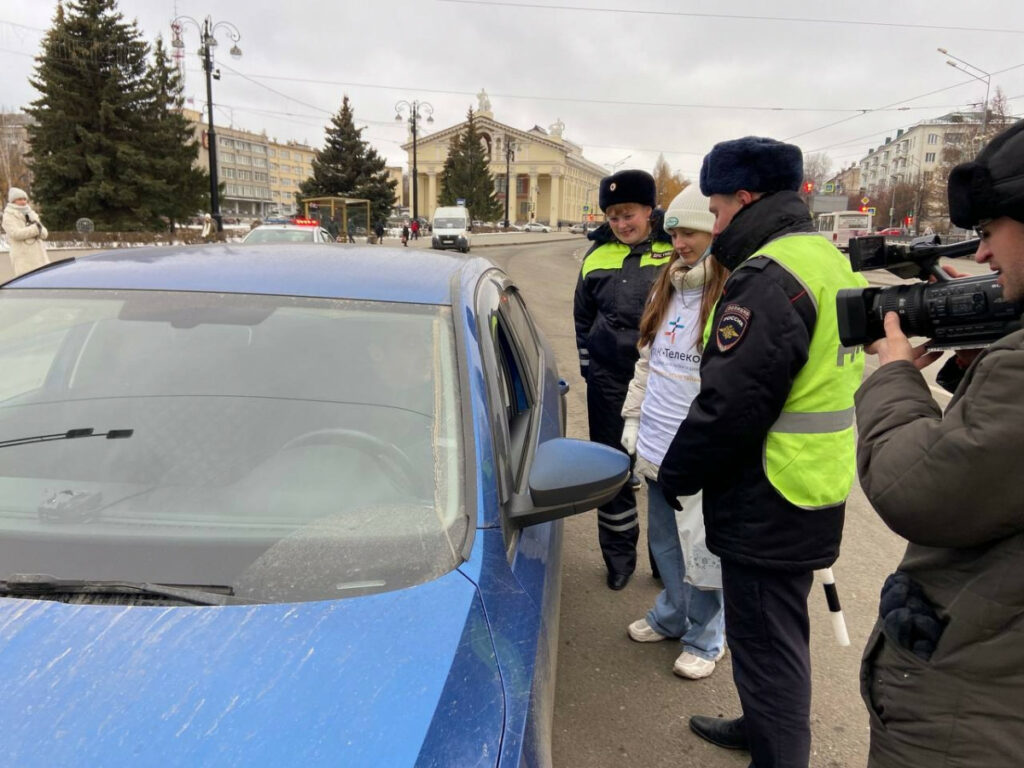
{"type": "Point", "coordinates": [665, 381]}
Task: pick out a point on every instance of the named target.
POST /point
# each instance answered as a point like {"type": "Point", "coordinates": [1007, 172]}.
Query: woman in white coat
{"type": "Point", "coordinates": [666, 379]}
{"type": "Point", "coordinates": [25, 233]}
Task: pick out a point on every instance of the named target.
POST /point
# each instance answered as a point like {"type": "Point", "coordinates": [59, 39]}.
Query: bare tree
{"type": "Point", "coordinates": [14, 168]}
{"type": "Point", "coordinates": [667, 184]}
{"type": "Point", "coordinates": [817, 169]}
{"type": "Point", "coordinates": [961, 144]}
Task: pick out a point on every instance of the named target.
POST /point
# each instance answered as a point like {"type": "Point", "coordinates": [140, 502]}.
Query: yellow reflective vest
{"type": "Point", "coordinates": [809, 453]}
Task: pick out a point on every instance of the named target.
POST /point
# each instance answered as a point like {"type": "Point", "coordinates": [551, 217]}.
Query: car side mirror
{"type": "Point", "coordinates": [568, 477]}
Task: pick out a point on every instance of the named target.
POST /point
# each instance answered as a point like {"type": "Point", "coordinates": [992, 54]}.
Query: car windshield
{"type": "Point", "coordinates": [270, 235]}
{"type": "Point", "coordinates": [449, 223]}
{"type": "Point", "coordinates": [289, 448]}
{"type": "Point", "coordinates": [853, 222]}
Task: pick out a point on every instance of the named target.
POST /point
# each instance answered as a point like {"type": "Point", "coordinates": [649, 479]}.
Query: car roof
{"type": "Point", "coordinates": [373, 273]}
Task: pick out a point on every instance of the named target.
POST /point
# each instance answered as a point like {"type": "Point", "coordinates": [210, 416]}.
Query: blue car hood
{"type": "Point", "coordinates": [361, 681]}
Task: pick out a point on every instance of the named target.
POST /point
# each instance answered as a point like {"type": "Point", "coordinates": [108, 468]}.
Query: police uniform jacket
{"type": "Point", "coordinates": [950, 484]}
{"type": "Point", "coordinates": [745, 381]}
{"type": "Point", "coordinates": [610, 299]}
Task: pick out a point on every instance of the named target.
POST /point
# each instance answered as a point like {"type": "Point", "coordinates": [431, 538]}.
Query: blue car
{"type": "Point", "coordinates": [266, 506]}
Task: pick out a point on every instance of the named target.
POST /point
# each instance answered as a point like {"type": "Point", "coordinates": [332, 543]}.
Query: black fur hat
{"type": "Point", "coordinates": [627, 187]}
{"type": "Point", "coordinates": [753, 163]}
{"type": "Point", "coordinates": [992, 185]}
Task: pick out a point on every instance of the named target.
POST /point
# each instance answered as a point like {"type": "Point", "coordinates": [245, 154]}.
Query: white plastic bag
{"type": "Point", "coordinates": [703, 569]}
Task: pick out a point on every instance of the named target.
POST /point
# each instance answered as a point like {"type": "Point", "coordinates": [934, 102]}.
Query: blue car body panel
{"type": "Point", "coordinates": [287, 270]}
{"type": "Point", "coordinates": [456, 671]}
{"type": "Point", "coordinates": [353, 682]}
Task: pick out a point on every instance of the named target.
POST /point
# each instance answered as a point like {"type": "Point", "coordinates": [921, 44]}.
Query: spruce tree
{"type": "Point", "coordinates": [184, 186]}
{"type": "Point", "coordinates": [89, 149]}
{"type": "Point", "coordinates": [466, 175]}
{"type": "Point", "coordinates": [348, 166]}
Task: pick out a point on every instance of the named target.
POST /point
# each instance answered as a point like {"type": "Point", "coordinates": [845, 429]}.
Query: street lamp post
{"type": "Point", "coordinates": [414, 109]}
{"type": "Point", "coordinates": [510, 151]}
{"type": "Point", "coordinates": [615, 166]}
{"type": "Point", "coordinates": [207, 41]}
{"type": "Point", "coordinates": [987, 80]}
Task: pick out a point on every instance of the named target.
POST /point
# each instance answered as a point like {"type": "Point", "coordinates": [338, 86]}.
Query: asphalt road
{"type": "Point", "coordinates": [618, 702]}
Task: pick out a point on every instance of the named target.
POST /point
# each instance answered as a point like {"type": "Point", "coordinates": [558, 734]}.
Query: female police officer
{"type": "Point", "coordinates": [611, 292]}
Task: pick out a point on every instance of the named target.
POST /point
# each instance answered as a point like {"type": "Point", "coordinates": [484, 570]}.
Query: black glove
{"type": "Point", "coordinates": [672, 499]}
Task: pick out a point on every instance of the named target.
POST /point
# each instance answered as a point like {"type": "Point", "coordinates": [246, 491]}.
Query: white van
{"type": "Point", "coordinates": [451, 227]}
{"type": "Point", "coordinates": [840, 226]}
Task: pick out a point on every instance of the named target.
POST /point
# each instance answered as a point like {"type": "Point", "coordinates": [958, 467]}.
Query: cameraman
{"type": "Point", "coordinates": [943, 671]}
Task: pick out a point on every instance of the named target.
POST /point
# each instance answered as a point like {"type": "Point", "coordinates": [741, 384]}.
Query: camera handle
{"type": "Point", "coordinates": [930, 263]}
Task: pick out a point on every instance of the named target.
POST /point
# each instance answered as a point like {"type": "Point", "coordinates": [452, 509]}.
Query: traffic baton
{"type": "Point", "coordinates": [835, 611]}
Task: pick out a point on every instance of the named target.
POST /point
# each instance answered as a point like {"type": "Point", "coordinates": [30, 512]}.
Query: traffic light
{"type": "Point", "coordinates": [808, 187]}
{"type": "Point", "coordinates": [909, 220]}
{"type": "Point", "coordinates": [863, 209]}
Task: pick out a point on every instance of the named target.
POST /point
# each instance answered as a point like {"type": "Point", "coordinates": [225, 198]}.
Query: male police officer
{"type": "Point", "coordinates": [769, 437]}
{"type": "Point", "coordinates": [943, 671]}
{"type": "Point", "coordinates": [611, 292]}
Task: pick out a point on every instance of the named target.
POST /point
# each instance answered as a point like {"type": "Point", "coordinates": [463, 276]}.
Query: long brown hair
{"type": "Point", "coordinates": [661, 294]}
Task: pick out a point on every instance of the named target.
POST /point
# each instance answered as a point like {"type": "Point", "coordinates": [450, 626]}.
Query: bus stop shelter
{"type": "Point", "coordinates": [338, 214]}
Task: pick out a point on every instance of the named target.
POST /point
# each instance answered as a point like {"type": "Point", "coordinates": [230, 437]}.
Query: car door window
{"type": "Point", "coordinates": [513, 384]}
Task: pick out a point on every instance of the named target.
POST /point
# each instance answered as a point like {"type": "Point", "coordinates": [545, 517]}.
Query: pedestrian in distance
{"type": "Point", "coordinates": [209, 231]}
{"type": "Point", "coordinates": [943, 671]}
{"type": "Point", "coordinates": [769, 438]}
{"type": "Point", "coordinates": [350, 232]}
{"type": "Point", "coordinates": [26, 234]}
{"type": "Point", "coordinates": [611, 292]}
{"type": "Point", "coordinates": [665, 381]}
{"type": "Point", "coordinates": [405, 234]}
{"type": "Point", "coordinates": [415, 229]}
{"type": "Point", "coordinates": [379, 232]}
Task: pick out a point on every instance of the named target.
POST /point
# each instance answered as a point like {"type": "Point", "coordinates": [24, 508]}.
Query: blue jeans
{"type": "Point", "coordinates": [695, 616]}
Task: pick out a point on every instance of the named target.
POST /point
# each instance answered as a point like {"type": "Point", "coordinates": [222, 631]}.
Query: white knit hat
{"type": "Point", "coordinates": [689, 210]}
{"type": "Point", "coordinates": [16, 194]}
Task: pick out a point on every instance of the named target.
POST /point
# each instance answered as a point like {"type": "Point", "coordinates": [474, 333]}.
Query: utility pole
{"type": "Point", "coordinates": [207, 41]}
{"type": "Point", "coordinates": [510, 147]}
{"type": "Point", "coordinates": [414, 109]}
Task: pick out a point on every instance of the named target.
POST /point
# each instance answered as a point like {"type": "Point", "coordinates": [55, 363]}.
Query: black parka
{"type": "Point", "coordinates": [610, 300]}
{"type": "Point", "coordinates": [719, 447]}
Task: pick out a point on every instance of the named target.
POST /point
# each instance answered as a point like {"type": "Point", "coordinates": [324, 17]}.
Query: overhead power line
{"type": "Point", "coordinates": [577, 99]}
{"type": "Point", "coordinates": [901, 101]}
{"type": "Point", "coordinates": [737, 16]}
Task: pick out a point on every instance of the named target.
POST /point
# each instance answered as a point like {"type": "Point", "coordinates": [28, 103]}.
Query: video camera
{"type": "Point", "coordinates": [956, 313]}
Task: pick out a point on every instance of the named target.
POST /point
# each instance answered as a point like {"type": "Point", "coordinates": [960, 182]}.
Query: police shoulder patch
{"type": "Point", "coordinates": [732, 325]}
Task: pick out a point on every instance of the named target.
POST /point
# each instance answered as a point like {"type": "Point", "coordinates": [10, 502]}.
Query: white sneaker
{"type": "Point", "coordinates": [694, 667]}
{"type": "Point", "coordinates": [642, 632]}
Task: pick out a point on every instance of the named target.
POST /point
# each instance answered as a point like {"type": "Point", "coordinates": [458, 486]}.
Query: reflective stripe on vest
{"type": "Point", "coordinates": [809, 453]}
{"type": "Point", "coordinates": [611, 255]}
{"type": "Point", "coordinates": [814, 423]}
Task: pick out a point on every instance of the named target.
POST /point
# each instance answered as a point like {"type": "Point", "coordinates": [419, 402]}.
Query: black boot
{"type": "Point", "coordinates": [730, 734]}
{"type": "Point", "coordinates": [618, 581]}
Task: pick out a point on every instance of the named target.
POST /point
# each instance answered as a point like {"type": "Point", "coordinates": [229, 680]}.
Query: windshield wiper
{"type": "Point", "coordinates": [71, 434]}
{"type": "Point", "coordinates": [43, 584]}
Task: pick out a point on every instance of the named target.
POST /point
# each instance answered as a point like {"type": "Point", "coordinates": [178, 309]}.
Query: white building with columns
{"type": "Point", "coordinates": [551, 180]}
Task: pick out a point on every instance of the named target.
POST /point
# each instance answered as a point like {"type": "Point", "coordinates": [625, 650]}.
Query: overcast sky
{"type": "Point", "coordinates": [671, 76]}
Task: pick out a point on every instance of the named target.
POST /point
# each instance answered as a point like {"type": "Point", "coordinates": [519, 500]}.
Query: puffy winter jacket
{"type": "Point", "coordinates": [949, 483]}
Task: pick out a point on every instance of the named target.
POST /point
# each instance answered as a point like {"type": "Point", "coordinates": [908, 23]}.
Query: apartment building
{"type": "Point", "coordinates": [261, 176]}
{"type": "Point", "coordinates": [919, 152]}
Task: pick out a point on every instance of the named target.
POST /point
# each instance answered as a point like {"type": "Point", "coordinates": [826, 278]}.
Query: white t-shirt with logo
{"type": "Point", "coordinates": [673, 380]}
